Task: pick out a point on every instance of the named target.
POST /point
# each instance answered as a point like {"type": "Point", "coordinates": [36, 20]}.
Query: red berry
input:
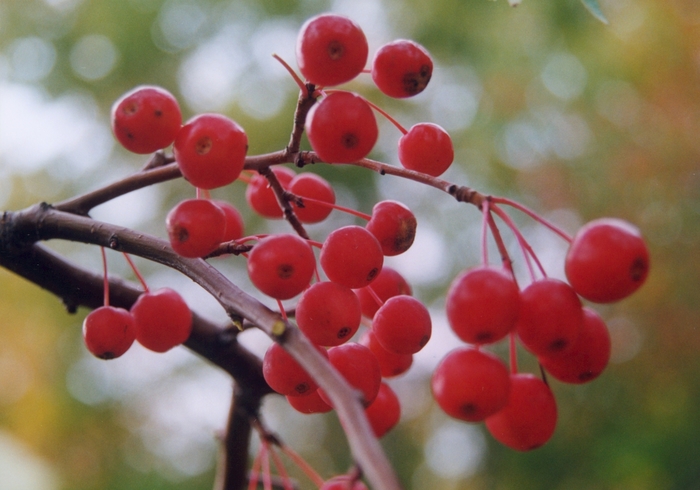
{"type": "Point", "coordinates": [314, 187]}
{"type": "Point", "coordinates": [341, 128]}
{"type": "Point", "coordinates": [331, 49]}
{"type": "Point", "coordinates": [607, 260]}
{"type": "Point", "coordinates": [234, 221]}
{"type": "Point", "coordinates": [387, 284]}
{"type": "Point", "coordinates": [390, 363]}
{"type": "Point", "coordinates": [402, 68]}
{"type": "Point", "coordinates": [482, 305]}
{"type": "Point", "coordinates": [311, 403]}
{"type": "Point", "coordinates": [471, 384]}
{"type": "Point", "coordinates": [162, 319]}
{"type": "Point", "coordinates": [550, 317]}
{"type": "Point", "coordinates": [195, 227]}
{"type": "Point", "coordinates": [530, 417]}
{"type": "Point", "coordinates": [285, 375]}
{"type": "Point", "coordinates": [210, 150]}
{"type": "Point", "coordinates": [426, 148]}
{"type": "Point", "coordinates": [328, 313]}
{"type": "Point", "coordinates": [587, 357]}
{"type": "Point", "coordinates": [260, 196]}
{"type": "Point", "coordinates": [146, 119]}
{"type": "Point", "coordinates": [343, 483]}
{"type": "Point", "coordinates": [281, 266]}
{"type": "Point", "coordinates": [402, 325]}
{"type": "Point", "coordinates": [351, 256]}
{"type": "Point", "coordinates": [359, 367]}
{"type": "Point", "coordinates": [385, 411]}
{"type": "Point", "coordinates": [108, 332]}
{"type": "Point", "coordinates": [394, 225]}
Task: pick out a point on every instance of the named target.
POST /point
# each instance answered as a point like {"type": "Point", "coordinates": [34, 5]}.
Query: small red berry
{"type": "Point", "coordinates": [260, 196]}
{"type": "Point", "coordinates": [426, 148]}
{"type": "Point", "coordinates": [402, 325]}
{"type": "Point", "coordinates": [341, 128]}
{"type": "Point", "coordinates": [146, 119]}
{"type": "Point", "coordinates": [162, 319]}
{"type": "Point", "coordinates": [359, 367]}
{"type": "Point", "coordinates": [108, 332]}
{"type": "Point", "coordinates": [607, 261]}
{"type": "Point", "coordinates": [328, 313]}
{"type": "Point", "coordinates": [388, 283]}
{"type": "Point", "coordinates": [394, 225]}
{"type": "Point", "coordinates": [385, 411]}
{"type": "Point", "coordinates": [195, 227]}
{"type": "Point", "coordinates": [530, 417]}
{"type": "Point", "coordinates": [402, 68]}
{"type": "Point", "coordinates": [234, 221]}
{"type": "Point", "coordinates": [311, 403]}
{"type": "Point", "coordinates": [331, 49]}
{"type": "Point", "coordinates": [314, 187]}
{"type": "Point", "coordinates": [285, 375]}
{"type": "Point", "coordinates": [210, 150]}
{"type": "Point", "coordinates": [351, 256]}
{"type": "Point", "coordinates": [390, 363]}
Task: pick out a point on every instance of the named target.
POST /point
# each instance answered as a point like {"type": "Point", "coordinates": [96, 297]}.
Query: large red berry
{"type": "Point", "coordinates": [309, 403]}
{"type": "Point", "coordinates": [281, 266]}
{"type": "Point", "coordinates": [260, 196]}
{"type": "Point", "coordinates": [607, 261]}
{"type": "Point", "coordinates": [385, 411]}
{"type": "Point", "coordinates": [210, 150]}
{"type": "Point", "coordinates": [351, 256]}
{"type": "Point", "coordinates": [589, 355]}
{"type": "Point", "coordinates": [328, 313]}
{"type": "Point", "coordinates": [315, 187]}
{"type": "Point", "coordinates": [108, 332]}
{"type": "Point", "coordinates": [331, 49]}
{"type": "Point", "coordinates": [402, 68]}
{"type": "Point", "coordinates": [402, 325]}
{"type": "Point", "coordinates": [359, 367]}
{"type": "Point", "coordinates": [551, 316]}
{"type": "Point", "coordinates": [394, 225]}
{"type": "Point", "coordinates": [234, 221]}
{"type": "Point", "coordinates": [482, 305]}
{"type": "Point", "coordinates": [195, 227]}
{"type": "Point", "coordinates": [387, 284]}
{"type": "Point", "coordinates": [471, 384]}
{"type": "Point", "coordinates": [285, 375]}
{"type": "Point", "coordinates": [426, 148]}
{"type": "Point", "coordinates": [146, 119]}
{"type": "Point", "coordinates": [530, 417]}
{"type": "Point", "coordinates": [390, 363]}
{"type": "Point", "coordinates": [342, 128]}
{"type": "Point", "coordinates": [162, 319]}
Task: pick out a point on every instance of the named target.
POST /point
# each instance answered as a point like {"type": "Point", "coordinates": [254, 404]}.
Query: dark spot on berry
{"type": "Point", "coordinates": [424, 340]}
{"type": "Point", "coordinates": [349, 140]}
{"type": "Point", "coordinates": [414, 83]}
{"type": "Point", "coordinates": [130, 136]}
{"type": "Point", "coordinates": [157, 113]}
{"type": "Point", "coordinates": [343, 332]}
{"type": "Point", "coordinates": [638, 269]}
{"type": "Point", "coordinates": [585, 376]}
{"type": "Point", "coordinates": [468, 409]}
{"type": "Point", "coordinates": [107, 356]}
{"type": "Point", "coordinates": [336, 50]}
{"type": "Point", "coordinates": [285, 271]}
{"type": "Point", "coordinates": [302, 388]}
{"type": "Point", "coordinates": [372, 274]}
{"type": "Point", "coordinates": [203, 145]}
{"type": "Point", "coordinates": [405, 236]}
{"type": "Point", "coordinates": [558, 345]}
{"type": "Point", "coordinates": [483, 337]}
{"type": "Point", "coordinates": [181, 234]}
{"type": "Point", "coordinates": [131, 108]}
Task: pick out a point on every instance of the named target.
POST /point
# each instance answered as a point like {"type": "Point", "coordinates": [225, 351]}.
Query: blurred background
{"type": "Point", "coordinates": [545, 104]}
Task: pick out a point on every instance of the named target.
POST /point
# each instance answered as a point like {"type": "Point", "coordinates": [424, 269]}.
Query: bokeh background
{"type": "Point", "coordinates": [545, 104]}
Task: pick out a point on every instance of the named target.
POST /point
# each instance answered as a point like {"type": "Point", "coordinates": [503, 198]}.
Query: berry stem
{"type": "Point", "coordinates": [513, 353]}
{"type": "Point", "coordinates": [265, 457]}
{"type": "Point", "coordinates": [255, 470]}
{"type": "Point", "coordinates": [302, 465]}
{"type": "Point", "coordinates": [505, 257]}
{"type": "Point", "coordinates": [484, 224]}
{"type": "Point", "coordinates": [136, 271]}
{"type": "Point", "coordinates": [386, 115]}
{"type": "Point", "coordinates": [291, 71]}
{"type": "Point", "coordinates": [533, 215]}
{"type": "Point", "coordinates": [350, 211]}
{"type": "Point", "coordinates": [374, 295]}
{"type": "Point", "coordinates": [528, 253]}
{"type": "Point", "coordinates": [104, 275]}
{"type": "Point", "coordinates": [281, 469]}
{"type": "Point", "coordinates": [283, 312]}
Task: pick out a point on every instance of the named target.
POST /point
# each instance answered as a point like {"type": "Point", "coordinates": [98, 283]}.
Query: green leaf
{"type": "Point", "coordinates": [594, 8]}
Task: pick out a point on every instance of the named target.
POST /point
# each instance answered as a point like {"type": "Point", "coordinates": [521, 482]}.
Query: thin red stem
{"type": "Point", "coordinates": [283, 312]}
{"type": "Point", "coordinates": [350, 211]}
{"type": "Point", "coordinates": [484, 226]}
{"type": "Point", "coordinates": [533, 215]}
{"type": "Point", "coordinates": [513, 352]}
{"type": "Point", "coordinates": [528, 253]}
{"type": "Point", "coordinates": [105, 288]}
{"type": "Point", "coordinates": [136, 271]}
{"type": "Point", "coordinates": [281, 469]}
{"type": "Point", "coordinates": [253, 480]}
{"type": "Point", "coordinates": [302, 465]}
{"type": "Point", "coordinates": [291, 71]}
{"type": "Point", "coordinates": [386, 115]}
{"type": "Point", "coordinates": [375, 296]}
{"type": "Point", "coordinates": [265, 456]}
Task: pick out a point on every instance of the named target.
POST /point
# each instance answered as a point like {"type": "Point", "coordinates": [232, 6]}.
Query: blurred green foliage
{"type": "Point", "coordinates": [546, 104]}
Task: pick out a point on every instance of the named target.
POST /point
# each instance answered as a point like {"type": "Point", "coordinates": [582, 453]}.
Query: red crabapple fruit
{"type": "Point", "coordinates": [351, 256]}
{"type": "Point", "coordinates": [390, 363]}
{"type": "Point", "coordinates": [162, 319]}
{"type": "Point", "coordinates": [394, 225]}
{"type": "Point", "coordinates": [387, 284]}
{"type": "Point", "coordinates": [210, 150]}
{"type": "Point", "coordinates": [281, 266]}
{"type": "Point", "coordinates": [316, 187]}
{"type": "Point", "coordinates": [260, 196]}
{"type": "Point", "coordinates": [331, 49]}
{"type": "Point", "coordinates": [341, 128]}
{"type": "Point", "coordinates": [108, 332]}
{"type": "Point", "coordinates": [384, 412]}
{"type": "Point", "coordinates": [402, 325]}
{"type": "Point", "coordinates": [284, 374]}
{"type": "Point", "coordinates": [234, 221]}
{"type": "Point", "coordinates": [530, 416]}
{"type": "Point", "coordinates": [607, 261]}
{"type": "Point", "coordinates": [309, 403]}
{"type": "Point", "coordinates": [146, 119]}
{"type": "Point", "coordinates": [195, 227]}
{"type": "Point", "coordinates": [328, 313]}
{"type": "Point", "coordinates": [359, 367]}
{"type": "Point", "coordinates": [402, 68]}
{"type": "Point", "coordinates": [426, 148]}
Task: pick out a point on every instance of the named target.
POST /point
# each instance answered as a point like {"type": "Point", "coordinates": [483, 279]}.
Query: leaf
{"type": "Point", "coordinates": [594, 8]}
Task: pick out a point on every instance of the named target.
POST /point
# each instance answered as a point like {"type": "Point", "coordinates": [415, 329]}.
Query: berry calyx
{"type": "Point", "coordinates": [331, 49]}
{"type": "Point", "coordinates": [195, 227]}
{"type": "Point", "coordinates": [162, 320]}
{"type": "Point", "coordinates": [402, 68]}
{"type": "Point", "coordinates": [314, 187]}
{"type": "Point", "coordinates": [328, 313]}
{"type": "Point", "coordinates": [341, 128]}
{"type": "Point", "coordinates": [426, 148]}
{"type": "Point", "coordinates": [351, 256]}
{"type": "Point", "coordinates": [394, 225]}
{"type": "Point", "coordinates": [482, 305]}
{"type": "Point", "coordinates": [385, 411]}
{"type": "Point", "coordinates": [470, 384]}
{"type": "Point", "coordinates": [146, 119]}
{"type": "Point", "coordinates": [210, 150]}
{"type": "Point", "coordinates": [108, 332]}
{"type": "Point", "coordinates": [530, 416]}
{"type": "Point", "coordinates": [359, 367]}
{"type": "Point", "coordinates": [402, 325]}
{"type": "Point", "coordinates": [260, 196]}
{"type": "Point", "coordinates": [607, 261]}
{"type": "Point", "coordinates": [281, 266]}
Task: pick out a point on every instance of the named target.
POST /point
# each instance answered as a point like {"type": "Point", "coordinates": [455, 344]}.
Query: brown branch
{"type": "Point", "coordinates": [232, 471]}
